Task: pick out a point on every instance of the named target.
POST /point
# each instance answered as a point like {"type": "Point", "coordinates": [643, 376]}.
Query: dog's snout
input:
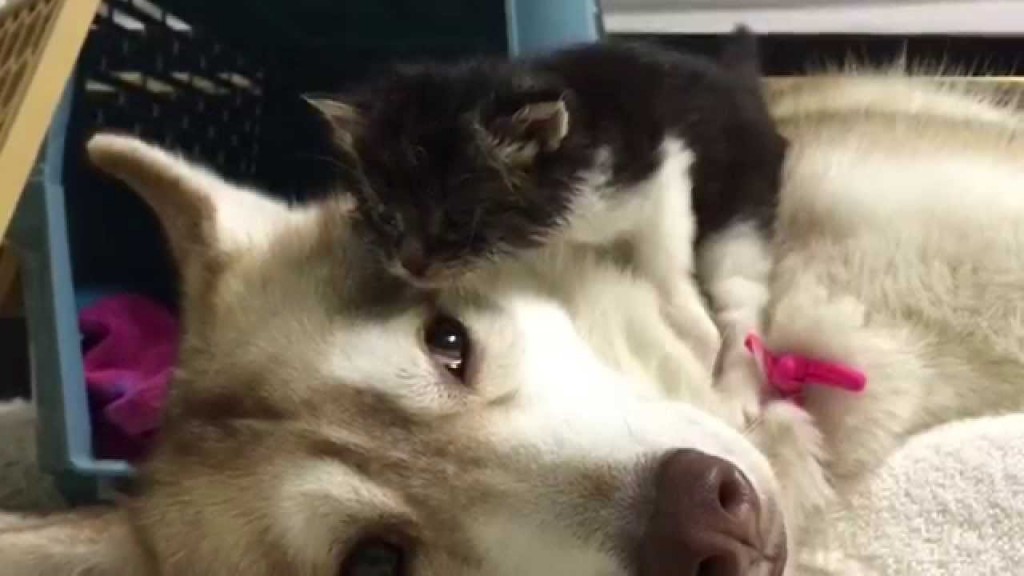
{"type": "Point", "coordinates": [707, 520]}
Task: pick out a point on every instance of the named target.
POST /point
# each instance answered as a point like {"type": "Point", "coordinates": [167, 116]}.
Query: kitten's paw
{"type": "Point", "coordinates": [740, 385]}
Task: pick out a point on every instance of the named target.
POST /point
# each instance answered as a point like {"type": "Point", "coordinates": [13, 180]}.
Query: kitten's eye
{"type": "Point", "coordinates": [388, 220]}
{"type": "Point", "coordinates": [376, 557]}
{"type": "Point", "coordinates": [447, 341]}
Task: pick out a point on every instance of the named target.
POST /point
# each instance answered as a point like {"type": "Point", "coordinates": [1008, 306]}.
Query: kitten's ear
{"type": "Point", "coordinates": [344, 119]}
{"type": "Point", "coordinates": [740, 55]}
{"type": "Point", "coordinates": [533, 127]}
{"type": "Point", "coordinates": [545, 122]}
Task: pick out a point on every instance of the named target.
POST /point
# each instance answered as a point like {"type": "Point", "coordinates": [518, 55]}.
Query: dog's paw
{"type": "Point", "coordinates": [810, 317]}
{"type": "Point", "coordinates": [786, 435]}
{"type": "Point", "coordinates": [844, 314]}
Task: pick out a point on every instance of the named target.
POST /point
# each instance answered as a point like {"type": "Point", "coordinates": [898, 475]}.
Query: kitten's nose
{"type": "Point", "coordinates": [413, 257]}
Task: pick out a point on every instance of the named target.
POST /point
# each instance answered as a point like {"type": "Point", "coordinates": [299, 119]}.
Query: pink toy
{"type": "Point", "coordinates": [787, 375]}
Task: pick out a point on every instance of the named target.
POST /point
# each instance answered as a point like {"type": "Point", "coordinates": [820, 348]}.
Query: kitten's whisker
{"type": "Point", "coordinates": [334, 163]}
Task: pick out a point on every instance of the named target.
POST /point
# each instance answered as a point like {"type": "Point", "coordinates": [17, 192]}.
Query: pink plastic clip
{"type": "Point", "coordinates": [788, 374]}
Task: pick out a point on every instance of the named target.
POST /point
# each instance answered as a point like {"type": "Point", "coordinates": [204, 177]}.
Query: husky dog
{"type": "Point", "coordinates": [327, 419]}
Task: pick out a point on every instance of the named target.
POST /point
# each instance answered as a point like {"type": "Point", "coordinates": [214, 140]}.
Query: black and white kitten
{"type": "Point", "coordinates": [597, 144]}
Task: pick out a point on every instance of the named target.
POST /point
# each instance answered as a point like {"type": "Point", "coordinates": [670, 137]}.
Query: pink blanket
{"type": "Point", "coordinates": [130, 346]}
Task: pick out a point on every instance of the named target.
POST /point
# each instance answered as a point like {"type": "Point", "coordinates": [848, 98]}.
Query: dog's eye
{"type": "Point", "coordinates": [448, 343]}
{"type": "Point", "coordinates": [376, 557]}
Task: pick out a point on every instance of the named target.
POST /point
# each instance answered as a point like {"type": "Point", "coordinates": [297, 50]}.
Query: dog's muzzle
{"type": "Point", "coordinates": [708, 520]}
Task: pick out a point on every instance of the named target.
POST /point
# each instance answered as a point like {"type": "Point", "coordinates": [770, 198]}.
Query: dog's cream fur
{"type": "Point", "coordinates": [306, 411]}
{"type": "Point", "coordinates": [901, 251]}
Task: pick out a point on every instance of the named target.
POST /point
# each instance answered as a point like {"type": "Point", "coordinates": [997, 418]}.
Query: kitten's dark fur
{"type": "Point", "coordinates": [453, 163]}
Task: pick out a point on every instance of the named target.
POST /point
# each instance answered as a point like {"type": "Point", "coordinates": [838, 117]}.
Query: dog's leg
{"type": "Point", "coordinates": [734, 267]}
{"type": "Point", "coordinates": [789, 439]}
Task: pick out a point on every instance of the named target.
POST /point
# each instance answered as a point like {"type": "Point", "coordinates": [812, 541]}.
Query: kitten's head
{"type": "Point", "coordinates": [454, 164]}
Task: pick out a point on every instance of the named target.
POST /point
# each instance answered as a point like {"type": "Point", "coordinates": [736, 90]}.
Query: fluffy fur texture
{"type": "Point", "coordinates": [308, 415]}
{"type": "Point", "coordinates": [900, 251]}
{"type": "Point", "coordinates": [307, 412]}
{"type": "Point", "coordinates": [600, 145]}
{"type": "Point", "coordinates": [453, 163]}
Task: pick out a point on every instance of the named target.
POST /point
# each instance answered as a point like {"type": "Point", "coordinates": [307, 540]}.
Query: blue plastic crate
{"type": "Point", "coordinates": [81, 235]}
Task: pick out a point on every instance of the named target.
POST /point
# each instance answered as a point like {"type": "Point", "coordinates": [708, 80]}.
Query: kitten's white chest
{"type": "Point", "coordinates": [654, 214]}
{"type": "Point", "coordinates": [654, 217]}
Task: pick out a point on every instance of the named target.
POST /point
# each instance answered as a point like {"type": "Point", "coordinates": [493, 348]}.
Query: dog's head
{"type": "Point", "coordinates": [327, 420]}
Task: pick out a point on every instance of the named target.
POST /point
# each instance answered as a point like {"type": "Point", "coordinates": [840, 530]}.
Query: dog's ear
{"type": "Point", "coordinates": [94, 542]}
{"type": "Point", "coordinates": [204, 217]}
{"type": "Point", "coordinates": [740, 55]}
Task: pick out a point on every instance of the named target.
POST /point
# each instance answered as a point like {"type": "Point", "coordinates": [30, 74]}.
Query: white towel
{"type": "Point", "coordinates": [951, 501]}
{"type": "Point", "coordinates": [22, 485]}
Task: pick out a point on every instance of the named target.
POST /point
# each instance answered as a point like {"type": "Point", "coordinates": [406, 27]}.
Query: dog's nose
{"type": "Point", "coordinates": [706, 521]}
